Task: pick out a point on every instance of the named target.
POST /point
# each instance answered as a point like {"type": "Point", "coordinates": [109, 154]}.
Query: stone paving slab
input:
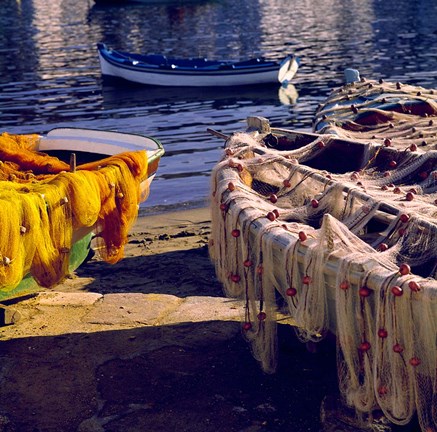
{"type": "Point", "coordinates": [66, 299]}
{"type": "Point", "coordinates": [132, 309]}
{"type": "Point", "coordinates": [201, 309]}
{"type": "Point", "coordinates": [52, 313]}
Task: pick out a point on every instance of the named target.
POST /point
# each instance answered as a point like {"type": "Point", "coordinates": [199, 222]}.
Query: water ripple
{"type": "Point", "coordinates": [50, 76]}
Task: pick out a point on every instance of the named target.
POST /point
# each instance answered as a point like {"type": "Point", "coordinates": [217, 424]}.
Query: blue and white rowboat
{"type": "Point", "coordinates": [159, 70]}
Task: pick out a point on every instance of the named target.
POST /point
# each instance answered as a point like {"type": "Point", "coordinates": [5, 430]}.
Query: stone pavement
{"type": "Point", "coordinates": [55, 313]}
{"type": "Point", "coordinates": [88, 362]}
{"type": "Point", "coordinates": [53, 357]}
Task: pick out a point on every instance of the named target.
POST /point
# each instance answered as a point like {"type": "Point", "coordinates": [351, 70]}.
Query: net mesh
{"type": "Point", "coordinates": [44, 208]}
{"type": "Point", "coordinates": [352, 253]}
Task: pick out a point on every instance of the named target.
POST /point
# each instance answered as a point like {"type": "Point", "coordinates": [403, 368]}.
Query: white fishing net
{"type": "Point", "coordinates": [352, 253]}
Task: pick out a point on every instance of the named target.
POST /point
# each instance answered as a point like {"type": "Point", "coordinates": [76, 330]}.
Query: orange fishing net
{"type": "Point", "coordinates": [44, 208]}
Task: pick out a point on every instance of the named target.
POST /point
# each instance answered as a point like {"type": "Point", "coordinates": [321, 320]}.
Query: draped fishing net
{"type": "Point", "coordinates": [392, 114]}
{"type": "Point", "coordinates": [352, 252]}
{"type": "Point", "coordinates": [44, 208]}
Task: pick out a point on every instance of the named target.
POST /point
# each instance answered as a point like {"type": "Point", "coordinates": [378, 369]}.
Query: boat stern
{"type": "Point", "coordinates": [288, 69]}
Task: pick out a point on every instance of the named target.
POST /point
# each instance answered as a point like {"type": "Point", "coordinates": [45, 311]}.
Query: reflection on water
{"type": "Point", "coordinates": [122, 96]}
{"type": "Point", "coordinates": [50, 76]}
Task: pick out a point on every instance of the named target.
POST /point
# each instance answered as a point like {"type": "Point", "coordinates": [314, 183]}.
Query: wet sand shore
{"type": "Point", "coordinates": [151, 344]}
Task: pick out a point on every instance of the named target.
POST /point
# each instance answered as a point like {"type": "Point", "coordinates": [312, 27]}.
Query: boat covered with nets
{"type": "Point", "coordinates": [337, 230]}
{"type": "Point", "coordinates": [59, 190]}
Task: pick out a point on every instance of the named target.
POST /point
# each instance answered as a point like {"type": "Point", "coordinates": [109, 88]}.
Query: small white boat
{"type": "Point", "coordinates": [156, 69]}
{"type": "Point", "coordinates": [59, 190]}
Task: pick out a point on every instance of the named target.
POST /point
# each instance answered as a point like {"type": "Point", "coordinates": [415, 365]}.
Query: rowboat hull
{"type": "Point", "coordinates": [123, 66]}
{"type": "Point", "coordinates": [87, 145]}
{"type": "Point", "coordinates": [309, 229]}
{"type": "Point", "coordinates": [79, 253]}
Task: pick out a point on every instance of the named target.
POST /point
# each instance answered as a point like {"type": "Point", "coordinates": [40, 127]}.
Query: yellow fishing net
{"type": "Point", "coordinates": [44, 208]}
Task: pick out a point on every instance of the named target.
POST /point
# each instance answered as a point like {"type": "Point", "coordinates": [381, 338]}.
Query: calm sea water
{"type": "Point", "coordinates": [50, 76]}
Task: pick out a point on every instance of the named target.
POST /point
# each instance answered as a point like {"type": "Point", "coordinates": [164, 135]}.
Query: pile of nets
{"type": "Point", "coordinates": [391, 114]}
{"type": "Point", "coordinates": [352, 253]}
{"type": "Point", "coordinates": [44, 208]}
